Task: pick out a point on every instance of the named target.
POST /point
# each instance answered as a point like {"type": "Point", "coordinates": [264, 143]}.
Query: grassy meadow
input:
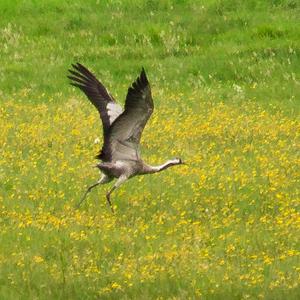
{"type": "Point", "coordinates": [225, 78]}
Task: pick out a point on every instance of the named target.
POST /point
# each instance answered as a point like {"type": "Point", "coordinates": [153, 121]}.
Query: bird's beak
{"type": "Point", "coordinates": [183, 162]}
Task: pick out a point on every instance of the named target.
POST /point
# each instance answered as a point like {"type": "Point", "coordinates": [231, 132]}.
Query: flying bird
{"type": "Point", "coordinates": [122, 128]}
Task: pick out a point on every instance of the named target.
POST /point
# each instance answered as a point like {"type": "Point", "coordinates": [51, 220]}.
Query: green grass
{"type": "Point", "coordinates": [206, 46]}
{"type": "Point", "coordinates": [225, 79]}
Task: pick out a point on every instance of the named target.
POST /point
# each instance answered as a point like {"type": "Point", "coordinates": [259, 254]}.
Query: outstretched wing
{"type": "Point", "coordinates": [108, 109]}
{"type": "Point", "coordinates": [124, 135]}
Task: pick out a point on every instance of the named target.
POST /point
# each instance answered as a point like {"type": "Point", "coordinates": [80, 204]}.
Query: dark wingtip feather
{"type": "Point", "coordinates": [143, 72]}
{"type": "Point", "coordinates": [75, 66]}
{"type": "Point", "coordinates": [78, 67]}
{"type": "Point", "coordinates": [143, 76]}
{"type": "Point", "coordinates": [79, 80]}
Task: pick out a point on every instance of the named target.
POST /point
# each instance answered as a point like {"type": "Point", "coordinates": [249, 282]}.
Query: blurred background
{"type": "Point", "coordinates": [224, 50]}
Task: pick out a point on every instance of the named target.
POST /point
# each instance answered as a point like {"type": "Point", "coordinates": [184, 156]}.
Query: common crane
{"type": "Point", "coordinates": [122, 129]}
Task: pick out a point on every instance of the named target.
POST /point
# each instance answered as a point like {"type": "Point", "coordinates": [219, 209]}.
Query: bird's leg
{"type": "Point", "coordinates": [87, 191]}
{"type": "Point", "coordinates": [120, 180]}
{"type": "Point", "coordinates": [108, 198]}
{"type": "Point", "coordinates": [103, 179]}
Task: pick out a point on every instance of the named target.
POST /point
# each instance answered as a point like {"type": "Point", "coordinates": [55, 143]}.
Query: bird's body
{"type": "Point", "coordinates": [122, 130]}
{"type": "Point", "coordinates": [118, 168]}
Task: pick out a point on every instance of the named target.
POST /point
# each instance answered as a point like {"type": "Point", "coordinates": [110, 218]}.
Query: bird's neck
{"type": "Point", "coordinates": [154, 169]}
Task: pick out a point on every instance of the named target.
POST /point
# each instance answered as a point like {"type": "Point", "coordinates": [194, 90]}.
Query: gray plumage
{"type": "Point", "coordinates": [122, 129]}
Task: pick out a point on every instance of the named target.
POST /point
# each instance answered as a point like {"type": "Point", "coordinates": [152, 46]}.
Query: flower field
{"type": "Point", "coordinates": [227, 223]}
{"type": "Point", "coordinates": [225, 84]}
